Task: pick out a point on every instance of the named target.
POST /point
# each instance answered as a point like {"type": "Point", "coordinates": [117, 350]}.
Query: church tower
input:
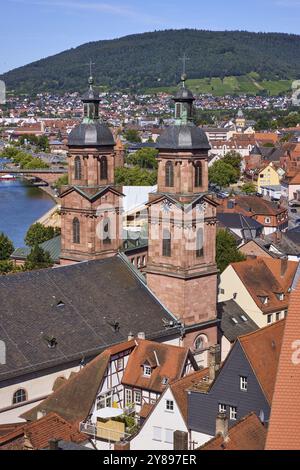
{"type": "Point", "coordinates": [181, 269]}
{"type": "Point", "coordinates": [91, 204]}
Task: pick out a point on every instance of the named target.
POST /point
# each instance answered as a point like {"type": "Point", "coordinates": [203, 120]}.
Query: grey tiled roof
{"type": "Point", "coordinates": [226, 312]}
{"type": "Point", "coordinates": [86, 307]}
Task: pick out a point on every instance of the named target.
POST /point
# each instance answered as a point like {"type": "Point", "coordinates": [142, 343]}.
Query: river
{"type": "Point", "coordinates": [20, 206]}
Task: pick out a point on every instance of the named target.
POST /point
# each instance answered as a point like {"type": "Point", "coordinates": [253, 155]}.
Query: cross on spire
{"type": "Point", "coordinates": [91, 79]}
{"type": "Point", "coordinates": [90, 64]}
{"type": "Point", "coordinates": [184, 60]}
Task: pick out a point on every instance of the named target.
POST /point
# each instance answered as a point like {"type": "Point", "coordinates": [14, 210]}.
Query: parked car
{"type": "Point", "coordinates": [297, 221]}
{"type": "Point", "coordinates": [258, 195]}
{"type": "Point", "coordinates": [294, 211]}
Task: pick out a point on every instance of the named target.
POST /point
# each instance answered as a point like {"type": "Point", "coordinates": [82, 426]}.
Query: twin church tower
{"type": "Point", "coordinates": [181, 269]}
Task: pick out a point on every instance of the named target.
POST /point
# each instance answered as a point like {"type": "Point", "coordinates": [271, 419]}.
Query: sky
{"type": "Point", "coordinates": [33, 29]}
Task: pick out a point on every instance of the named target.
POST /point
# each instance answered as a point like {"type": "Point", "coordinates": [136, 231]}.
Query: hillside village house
{"type": "Point", "coordinates": [244, 384]}
{"type": "Point", "coordinates": [120, 382]}
{"type": "Point", "coordinates": [268, 176]}
{"type": "Point", "coordinates": [290, 188]}
{"type": "Point", "coordinates": [260, 286]}
{"type": "Point", "coordinates": [270, 214]}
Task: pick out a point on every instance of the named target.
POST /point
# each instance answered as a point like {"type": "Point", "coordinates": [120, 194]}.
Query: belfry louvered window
{"type": "Point", "coordinates": [76, 231]}
{"type": "Point", "coordinates": [169, 175]}
{"type": "Point", "coordinates": [78, 172]}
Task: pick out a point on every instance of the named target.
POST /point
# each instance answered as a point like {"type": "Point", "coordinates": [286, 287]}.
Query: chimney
{"type": "Point", "coordinates": [130, 336]}
{"type": "Point", "coordinates": [222, 425]}
{"type": "Point", "coordinates": [141, 335]}
{"type": "Point", "coordinates": [181, 440]}
{"type": "Point", "coordinates": [213, 361]}
{"type": "Point", "coordinates": [53, 444]}
{"type": "Point", "coordinates": [283, 266]}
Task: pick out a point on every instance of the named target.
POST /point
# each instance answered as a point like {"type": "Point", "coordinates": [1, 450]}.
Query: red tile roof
{"type": "Point", "coordinates": [166, 361]}
{"type": "Point", "coordinates": [262, 349]}
{"type": "Point", "coordinates": [267, 277]}
{"type": "Point", "coordinates": [283, 433]}
{"type": "Point", "coordinates": [248, 434]}
{"type": "Point", "coordinates": [40, 432]}
{"type": "Point", "coordinates": [179, 389]}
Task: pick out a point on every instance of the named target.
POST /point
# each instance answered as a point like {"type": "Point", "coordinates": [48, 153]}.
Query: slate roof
{"type": "Point", "coordinates": [239, 221]}
{"type": "Point", "coordinates": [183, 137]}
{"type": "Point", "coordinates": [226, 312]}
{"type": "Point", "coordinates": [88, 135]}
{"type": "Point", "coordinates": [85, 307]}
{"type": "Point", "coordinates": [247, 434]}
{"type": "Point", "coordinates": [180, 389]}
{"type": "Point", "coordinates": [283, 433]}
{"type": "Point", "coordinates": [289, 244]}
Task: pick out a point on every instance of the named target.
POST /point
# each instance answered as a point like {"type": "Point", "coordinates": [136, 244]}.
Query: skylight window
{"type": "Point", "coordinates": [244, 318]}
{"type": "Point", "coordinates": [234, 320]}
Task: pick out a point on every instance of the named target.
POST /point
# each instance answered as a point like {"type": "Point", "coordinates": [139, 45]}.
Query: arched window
{"type": "Point", "coordinates": [169, 175]}
{"type": "Point", "coordinates": [77, 168]}
{"type": "Point", "coordinates": [76, 231]}
{"type": "Point", "coordinates": [166, 243]}
{"type": "Point", "coordinates": [19, 396]}
{"type": "Point", "coordinates": [198, 175]}
{"type": "Point", "coordinates": [103, 168]}
{"type": "Point", "coordinates": [200, 342]}
{"type": "Point", "coordinates": [199, 243]}
{"type": "Point", "coordinates": [106, 231]}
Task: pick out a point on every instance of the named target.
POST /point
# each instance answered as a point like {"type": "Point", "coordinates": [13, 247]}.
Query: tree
{"type": "Point", "coordinates": [62, 181]}
{"type": "Point", "coordinates": [132, 135]}
{"type": "Point", "coordinates": [144, 158]}
{"type": "Point", "coordinates": [226, 250]}
{"type": "Point", "coordinates": [249, 188]}
{"type": "Point", "coordinates": [7, 267]}
{"type": "Point", "coordinates": [135, 177]}
{"type": "Point", "coordinates": [38, 233]}
{"type": "Point", "coordinates": [6, 247]}
{"type": "Point", "coordinates": [222, 174]}
{"type": "Point", "coordinates": [38, 259]}
{"type": "Point", "coordinates": [234, 159]}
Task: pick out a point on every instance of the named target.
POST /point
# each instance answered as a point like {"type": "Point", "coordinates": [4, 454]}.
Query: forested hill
{"type": "Point", "coordinates": [152, 59]}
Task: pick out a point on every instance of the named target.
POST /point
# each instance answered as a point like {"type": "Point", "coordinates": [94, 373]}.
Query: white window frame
{"type": "Point", "coordinates": [169, 436]}
{"type": "Point", "coordinates": [270, 317]}
{"type": "Point", "coordinates": [233, 413]}
{"type": "Point", "coordinates": [222, 408]}
{"type": "Point", "coordinates": [120, 364]}
{"type": "Point", "coordinates": [127, 394]}
{"type": "Point", "coordinates": [105, 400]}
{"type": "Point", "coordinates": [137, 393]}
{"type": "Point", "coordinates": [157, 433]}
{"type": "Point", "coordinates": [169, 406]}
{"type": "Point", "coordinates": [147, 371]}
{"type": "Point", "coordinates": [243, 383]}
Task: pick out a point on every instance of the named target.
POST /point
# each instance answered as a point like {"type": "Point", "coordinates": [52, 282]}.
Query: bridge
{"type": "Point", "coordinates": [47, 175]}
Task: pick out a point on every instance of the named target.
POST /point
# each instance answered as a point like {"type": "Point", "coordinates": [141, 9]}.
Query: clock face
{"type": "Point", "coordinates": [201, 207]}
{"type": "Point", "coordinates": [166, 206]}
